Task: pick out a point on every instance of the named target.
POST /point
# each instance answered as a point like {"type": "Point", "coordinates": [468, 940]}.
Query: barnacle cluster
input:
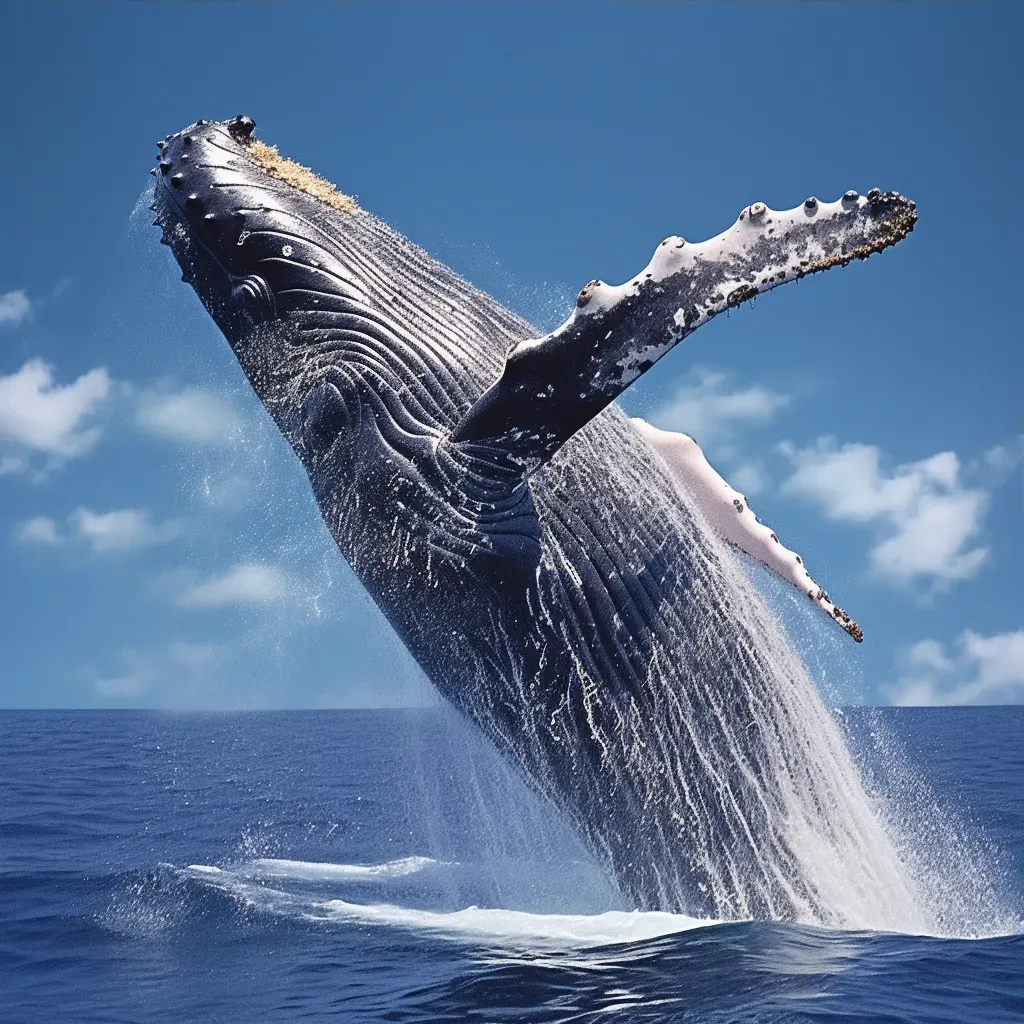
{"type": "Point", "coordinates": [297, 176]}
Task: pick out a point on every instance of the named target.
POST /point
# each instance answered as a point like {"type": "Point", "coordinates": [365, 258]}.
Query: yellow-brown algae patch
{"type": "Point", "coordinates": [297, 176]}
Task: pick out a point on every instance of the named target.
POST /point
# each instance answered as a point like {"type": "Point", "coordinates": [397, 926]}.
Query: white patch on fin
{"type": "Point", "coordinates": [729, 515]}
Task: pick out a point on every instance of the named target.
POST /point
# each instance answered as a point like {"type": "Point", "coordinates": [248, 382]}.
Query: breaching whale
{"type": "Point", "coordinates": [561, 573]}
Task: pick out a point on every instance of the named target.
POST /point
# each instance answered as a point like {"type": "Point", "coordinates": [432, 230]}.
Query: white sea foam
{"type": "Point", "coordinates": [489, 925]}
{"type": "Point", "coordinates": [517, 927]}
{"type": "Point", "coordinates": [320, 871]}
{"type": "Point", "coordinates": [317, 871]}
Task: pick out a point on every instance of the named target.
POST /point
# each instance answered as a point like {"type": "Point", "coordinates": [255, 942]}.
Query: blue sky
{"type": "Point", "coordinates": [158, 545]}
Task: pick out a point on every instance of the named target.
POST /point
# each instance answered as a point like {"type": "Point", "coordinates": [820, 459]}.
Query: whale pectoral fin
{"type": "Point", "coordinates": [729, 515]}
{"type": "Point", "coordinates": [551, 386]}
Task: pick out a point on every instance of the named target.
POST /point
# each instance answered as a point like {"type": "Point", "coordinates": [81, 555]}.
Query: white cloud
{"type": "Point", "coordinates": [749, 478]}
{"type": "Point", "coordinates": [38, 416]}
{"type": "Point", "coordinates": [14, 308]}
{"type": "Point", "coordinates": [177, 667]}
{"type": "Point", "coordinates": [978, 670]}
{"type": "Point", "coordinates": [927, 521]}
{"type": "Point", "coordinates": [40, 530]}
{"type": "Point", "coordinates": [1002, 459]}
{"type": "Point", "coordinates": [247, 583]}
{"type": "Point", "coordinates": [132, 684]}
{"type": "Point", "coordinates": [121, 530]}
{"type": "Point", "coordinates": [710, 412]}
{"type": "Point", "coordinates": [191, 415]}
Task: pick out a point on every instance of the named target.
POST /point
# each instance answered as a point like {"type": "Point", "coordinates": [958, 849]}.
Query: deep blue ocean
{"type": "Point", "coordinates": [382, 866]}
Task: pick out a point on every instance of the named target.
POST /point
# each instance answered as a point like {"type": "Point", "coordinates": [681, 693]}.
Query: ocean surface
{"type": "Point", "coordinates": [384, 866]}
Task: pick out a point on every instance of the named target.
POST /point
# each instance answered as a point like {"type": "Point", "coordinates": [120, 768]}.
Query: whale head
{"type": "Point", "coordinates": [365, 351]}
{"type": "Point", "coordinates": [244, 225]}
{"type": "Point", "coordinates": [322, 303]}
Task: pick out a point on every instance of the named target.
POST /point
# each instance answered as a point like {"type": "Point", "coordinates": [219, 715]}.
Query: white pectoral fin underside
{"type": "Point", "coordinates": [729, 515]}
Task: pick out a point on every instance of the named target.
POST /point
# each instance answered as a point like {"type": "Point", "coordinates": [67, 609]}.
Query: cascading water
{"type": "Point", "coordinates": [828, 849]}
{"type": "Point", "coordinates": [736, 775]}
{"type": "Point", "coordinates": [742, 778]}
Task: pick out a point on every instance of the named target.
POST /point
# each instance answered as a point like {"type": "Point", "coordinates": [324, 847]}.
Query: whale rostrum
{"type": "Point", "coordinates": [563, 575]}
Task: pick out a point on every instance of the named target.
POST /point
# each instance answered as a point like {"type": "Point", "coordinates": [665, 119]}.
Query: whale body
{"type": "Point", "coordinates": [563, 575]}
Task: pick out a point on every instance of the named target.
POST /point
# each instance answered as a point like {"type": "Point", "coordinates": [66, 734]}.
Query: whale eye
{"type": "Point", "coordinates": [757, 210]}
{"type": "Point", "coordinates": [252, 298]}
{"type": "Point", "coordinates": [810, 203]}
{"type": "Point", "coordinates": [851, 196]}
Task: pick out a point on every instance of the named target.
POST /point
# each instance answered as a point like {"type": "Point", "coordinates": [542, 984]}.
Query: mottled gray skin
{"type": "Point", "coordinates": [575, 614]}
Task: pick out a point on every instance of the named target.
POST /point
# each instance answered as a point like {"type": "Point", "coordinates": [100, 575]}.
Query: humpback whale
{"type": "Point", "coordinates": [565, 576]}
